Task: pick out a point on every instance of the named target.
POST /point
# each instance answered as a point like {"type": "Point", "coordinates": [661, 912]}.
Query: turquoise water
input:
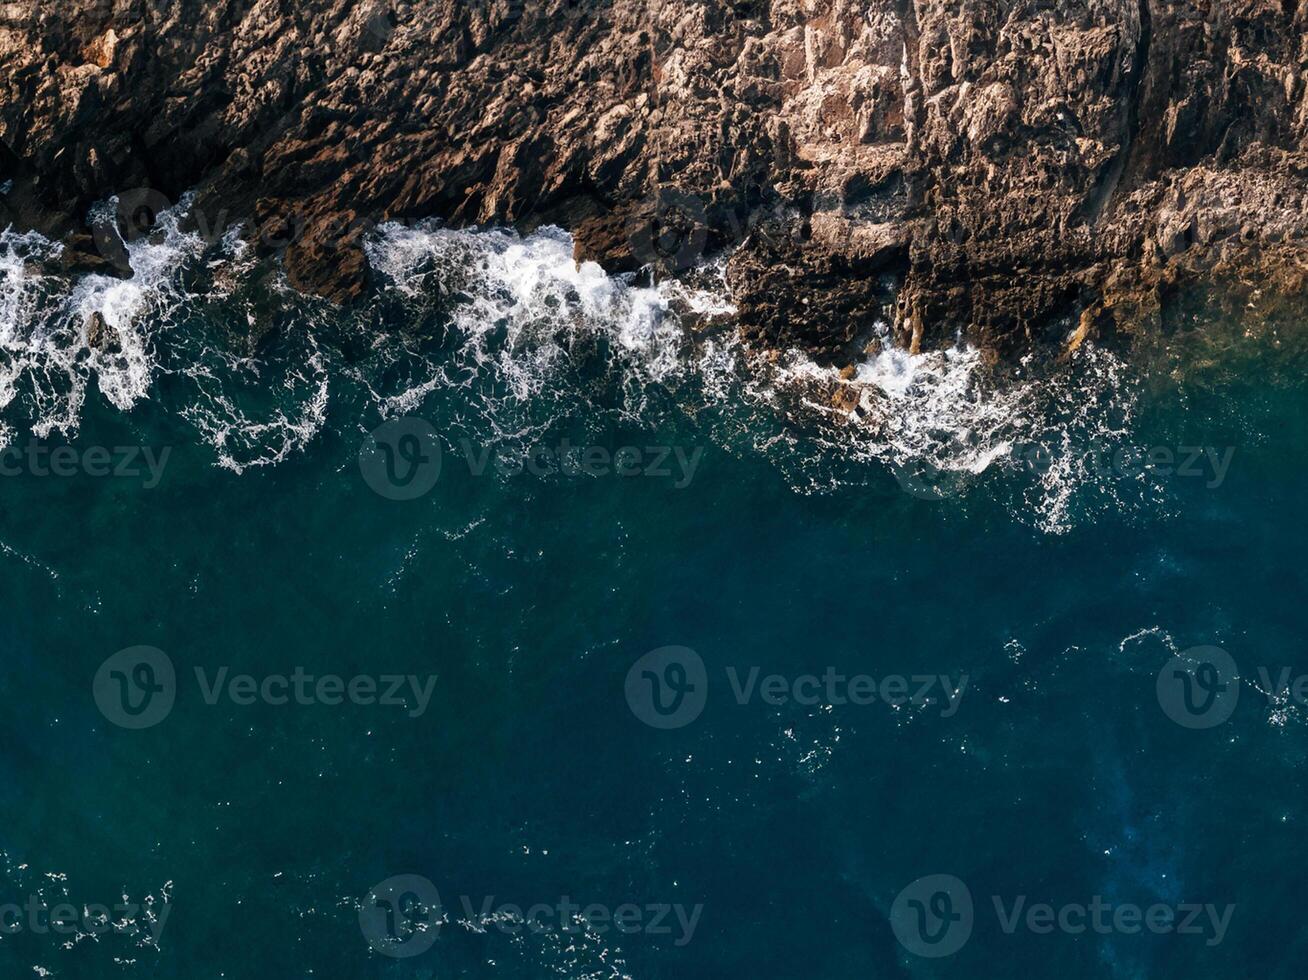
{"type": "Point", "coordinates": [968, 522]}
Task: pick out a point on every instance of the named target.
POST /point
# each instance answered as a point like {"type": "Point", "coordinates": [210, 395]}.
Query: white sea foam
{"type": "Point", "coordinates": [44, 357]}
{"type": "Point", "coordinates": [243, 439]}
{"type": "Point", "coordinates": [946, 412]}
{"type": "Point", "coordinates": [530, 328]}
{"type": "Point", "coordinates": [529, 288]}
{"type": "Point", "coordinates": [509, 336]}
{"type": "Point", "coordinates": [522, 308]}
{"type": "Point", "coordinates": [47, 365]}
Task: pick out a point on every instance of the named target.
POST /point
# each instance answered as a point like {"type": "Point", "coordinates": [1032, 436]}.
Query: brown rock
{"type": "Point", "coordinates": [607, 239]}
{"type": "Point", "coordinates": [327, 258]}
{"type": "Point", "coordinates": [991, 171]}
{"type": "Point", "coordinates": [845, 398]}
{"type": "Point", "coordinates": [100, 336]}
{"type": "Point", "coordinates": [100, 52]}
{"type": "Point", "coordinates": [102, 254]}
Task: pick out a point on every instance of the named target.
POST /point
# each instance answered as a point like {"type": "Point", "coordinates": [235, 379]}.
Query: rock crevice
{"type": "Point", "coordinates": [1002, 169]}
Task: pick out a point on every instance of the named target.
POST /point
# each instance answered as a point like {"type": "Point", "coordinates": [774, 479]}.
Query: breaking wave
{"type": "Point", "coordinates": [505, 339]}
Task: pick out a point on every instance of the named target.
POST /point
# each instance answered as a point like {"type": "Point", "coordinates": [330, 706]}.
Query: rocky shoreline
{"type": "Point", "coordinates": [1018, 173]}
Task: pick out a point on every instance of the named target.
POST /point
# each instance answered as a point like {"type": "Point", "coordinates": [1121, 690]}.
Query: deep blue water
{"type": "Point", "coordinates": [1053, 592]}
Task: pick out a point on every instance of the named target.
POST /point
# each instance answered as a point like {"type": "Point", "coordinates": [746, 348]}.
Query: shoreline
{"type": "Point", "coordinates": [945, 170]}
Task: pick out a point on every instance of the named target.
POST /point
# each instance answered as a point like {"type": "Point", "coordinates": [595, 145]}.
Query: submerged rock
{"type": "Point", "coordinates": [989, 169]}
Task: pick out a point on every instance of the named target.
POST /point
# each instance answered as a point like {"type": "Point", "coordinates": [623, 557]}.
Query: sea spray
{"type": "Point", "coordinates": [506, 341]}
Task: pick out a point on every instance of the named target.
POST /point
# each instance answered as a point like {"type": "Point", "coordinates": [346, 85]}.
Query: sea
{"type": "Point", "coordinates": [518, 621]}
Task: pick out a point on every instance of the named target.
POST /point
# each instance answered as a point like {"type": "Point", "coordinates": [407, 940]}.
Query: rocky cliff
{"type": "Point", "coordinates": [1018, 170]}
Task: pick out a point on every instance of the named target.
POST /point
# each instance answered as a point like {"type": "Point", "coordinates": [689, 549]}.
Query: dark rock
{"type": "Point", "coordinates": [101, 253]}
{"type": "Point", "coordinates": [1002, 167]}
{"type": "Point", "coordinates": [607, 239]}
{"type": "Point", "coordinates": [100, 336]}
{"type": "Point", "coordinates": [845, 398]}
{"type": "Point", "coordinates": [327, 258]}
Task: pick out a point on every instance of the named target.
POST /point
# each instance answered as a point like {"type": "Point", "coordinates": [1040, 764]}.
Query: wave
{"type": "Point", "coordinates": [944, 424]}
{"type": "Point", "coordinates": [533, 334]}
{"type": "Point", "coordinates": [524, 317]}
{"type": "Point", "coordinates": [504, 338]}
{"type": "Point", "coordinates": [46, 363]}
